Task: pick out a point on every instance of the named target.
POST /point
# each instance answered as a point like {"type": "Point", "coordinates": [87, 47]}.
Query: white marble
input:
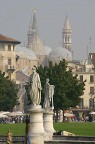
{"type": "Point", "coordinates": [37, 132]}
{"type": "Point", "coordinates": [35, 87]}
{"type": "Point", "coordinates": [60, 116]}
{"type": "Point", "coordinates": [48, 123]}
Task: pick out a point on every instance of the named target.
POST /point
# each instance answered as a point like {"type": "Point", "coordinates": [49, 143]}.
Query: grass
{"type": "Point", "coordinates": [78, 128]}
{"type": "Point", "coordinates": [17, 129]}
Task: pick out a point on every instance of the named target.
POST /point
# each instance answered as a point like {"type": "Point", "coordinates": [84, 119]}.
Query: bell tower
{"type": "Point", "coordinates": [66, 34]}
{"type": "Point", "coordinates": [32, 33]}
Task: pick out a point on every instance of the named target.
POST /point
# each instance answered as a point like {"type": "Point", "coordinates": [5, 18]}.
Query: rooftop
{"type": "Point", "coordinates": [5, 39]}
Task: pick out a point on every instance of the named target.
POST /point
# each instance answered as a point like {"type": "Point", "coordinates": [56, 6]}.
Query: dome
{"type": "Point", "coordinates": [60, 53]}
{"type": "Point", "coordinates": [46, 50]}
{"type": "Point", "coordinates": [24, 52]}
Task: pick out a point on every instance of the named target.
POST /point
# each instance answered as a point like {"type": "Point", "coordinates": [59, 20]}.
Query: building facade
{"type": "Point", "coordinates": [8, 56]}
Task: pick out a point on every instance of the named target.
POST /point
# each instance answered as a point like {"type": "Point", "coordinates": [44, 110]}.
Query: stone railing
{"type": "Point", "coordinates": [16, 139]}
{"type": "Point", "coordinates": [71, 140]}
{"type": "Point", "coordinates": [78, 138]}
{"type": "Point", "coordinates": [55, 140]}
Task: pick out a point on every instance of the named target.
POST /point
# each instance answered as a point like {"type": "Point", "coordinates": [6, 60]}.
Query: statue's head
{"type": "Point", "coordinates": [47, 80]}
{"type": "Point", "coordinates": [9, 130]}
{"type": "Point", "coordinates": [33, 69]}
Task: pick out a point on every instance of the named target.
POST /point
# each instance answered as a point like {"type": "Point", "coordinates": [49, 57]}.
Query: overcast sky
{"type": "Point", "coordinates": [15, 18]}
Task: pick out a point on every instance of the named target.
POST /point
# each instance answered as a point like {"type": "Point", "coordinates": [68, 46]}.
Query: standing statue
{"type": "Point", "coordinates": [49, 92]}
{"type": "Point", "coordinates": [35, 87]}
{"type": "Point", "coordinates": [9, 137]}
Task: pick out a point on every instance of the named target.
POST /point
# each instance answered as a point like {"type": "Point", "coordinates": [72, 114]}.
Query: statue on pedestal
{"type": "Point", "coordinates": [9, 137]}
{"type": "Point", "coordinates": [49, 92]}
{"type": "Point", "coordinates": [35, 87]}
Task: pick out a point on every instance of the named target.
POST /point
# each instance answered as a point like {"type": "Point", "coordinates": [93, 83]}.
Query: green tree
{"type": "Point", "coordinates": [8, 93]}
{"type": "Point", "coordinates": [68, 88]}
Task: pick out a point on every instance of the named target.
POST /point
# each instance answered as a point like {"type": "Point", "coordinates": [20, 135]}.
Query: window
{"type": "Point", "coordinates": [91, 90]}
{"type": "Point", "coordinates": [13, 47]}
{"type": "Point", "coordinates": [65, 39]}
{"type": "Point", "coordinates": [2, 47]}
{"type": "Point", "coordinates": [94, 102]}
{"type": "Point", "coordinates": [9, 47]}
{"type": "Point", "coordinates": [91, 56]}
{"type": "Point", "coordinates": [91, 103]}
{"type": "Point", "coordinates": [91, 78]}
{"type": "Point", "coordinates": [81, 78]}
{"type": "Point", "coordinates": [9, 61]}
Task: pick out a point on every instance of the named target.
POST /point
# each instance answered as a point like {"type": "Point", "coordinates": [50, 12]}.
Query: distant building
{"type": "Point", "coordinates": [35, 43]}
{"type": "Point", "coordinates": [64, 51]}
{"type": "Point", "coordinates": [92, 57]}
{"type": "Point", "coordinates": [25, 59]}
{"type": "Point", "coordinates": [8, 56]}
{"type": "Point", "coordinates": [38, 53]}
{"type": "Point", "coordinates": [87, 74]}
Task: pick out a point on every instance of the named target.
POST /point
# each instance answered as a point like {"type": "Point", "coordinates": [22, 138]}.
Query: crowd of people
{"type": "Point", "coordinates": [16, 119]}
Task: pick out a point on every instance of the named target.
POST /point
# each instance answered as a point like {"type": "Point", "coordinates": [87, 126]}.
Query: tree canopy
{"type": "Point", "coordinates": [68, 88]}
{"type": "Point", "coordinates": [8, 93]}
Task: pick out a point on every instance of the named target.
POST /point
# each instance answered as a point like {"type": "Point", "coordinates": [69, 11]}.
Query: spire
{"type": "Point", "coordinates": [89, 60]}
{"type": "Point", "coordinates": [67, 25]}
{"type": "Point", "coordinates": [33, 31]}
{"type": "Point", "coordinates": [34, 42]}
{"type": "Point", "coordinates": [33, 24]}
{"type": "Point", "coordinates": [66, 34]}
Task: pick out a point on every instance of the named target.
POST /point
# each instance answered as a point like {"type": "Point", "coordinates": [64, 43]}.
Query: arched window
{"type": "Point", "coordinates": [65, 38]}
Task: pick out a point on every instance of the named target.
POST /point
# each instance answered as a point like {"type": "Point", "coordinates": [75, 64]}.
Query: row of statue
{"type": "Point", "coordinates": [35, 90]}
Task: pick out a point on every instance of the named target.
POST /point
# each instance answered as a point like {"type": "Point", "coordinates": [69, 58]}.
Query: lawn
{"type": "Point", "coordinates": [78, 128]}
{"type": "Point", "coordinates": [17, 129]}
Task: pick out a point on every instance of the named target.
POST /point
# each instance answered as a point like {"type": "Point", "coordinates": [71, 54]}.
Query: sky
{"type": "Point", "coordinates": [15, 16]}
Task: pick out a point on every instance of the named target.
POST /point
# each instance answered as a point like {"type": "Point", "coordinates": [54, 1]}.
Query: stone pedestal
{"type": "Point", "coordinates": [48, 123]}
{"type": "Point", "coordinates": [37, 132]}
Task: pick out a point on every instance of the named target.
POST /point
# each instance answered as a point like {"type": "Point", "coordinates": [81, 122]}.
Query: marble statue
{"type": "Point", "coordinates": [35, 87]}
{"type": "Point", "coordinates": [49, 92]}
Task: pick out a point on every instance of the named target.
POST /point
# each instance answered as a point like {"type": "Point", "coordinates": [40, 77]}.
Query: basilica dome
{"type": "Point", "coordinates": [59, 53]}
{"type": "Point", "coordinates": [24, 52]}
{"type": "Point", "coordinates": [45, 50]}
